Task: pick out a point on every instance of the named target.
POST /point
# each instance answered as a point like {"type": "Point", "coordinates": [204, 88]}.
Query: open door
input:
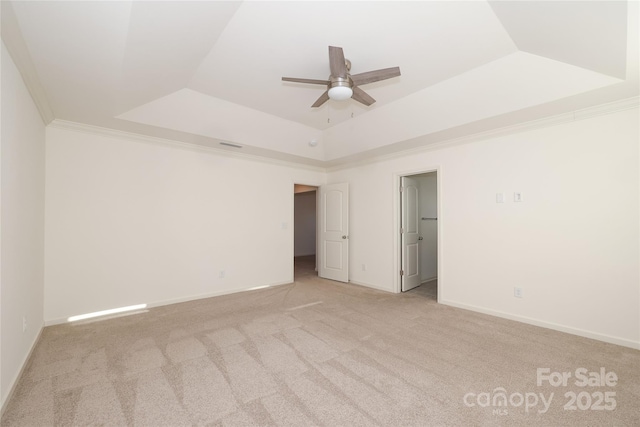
{"type": "Point", "coordinates": [334, 232]}
{"type": "Point", "coordinates": [410, 226]}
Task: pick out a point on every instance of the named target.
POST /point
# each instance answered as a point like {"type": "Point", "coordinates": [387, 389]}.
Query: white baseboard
{"type": "Point", "coordinates": [369, 285]}
{"type": "Point", "coordinates": [549, 325]}
{"type": "Point", "coordinates": [214, 294]}
{"type": "Point", "coordinates": [536, 322]}
{"type": "Point", "coordinates": [183, 299]}
{"type": "Point", "coordinates": [14, 381]}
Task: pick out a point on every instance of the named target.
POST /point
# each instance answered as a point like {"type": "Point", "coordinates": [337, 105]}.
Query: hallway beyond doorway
{"type": "Point", "coordinates": [304, 267]}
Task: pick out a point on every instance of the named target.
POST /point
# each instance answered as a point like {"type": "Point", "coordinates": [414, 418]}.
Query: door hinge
{"type": "Point", "coordinates": [401, 189]}
{"type": "Point", "coordinates": [402, 272]}
{"type": "Point", "coordinates": [401, 230]}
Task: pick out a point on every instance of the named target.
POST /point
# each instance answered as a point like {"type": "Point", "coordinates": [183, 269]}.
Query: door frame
{"type": "Point", "coordinates": [293, 224]}
{"type": "Point", "coordinates": [397, 223]}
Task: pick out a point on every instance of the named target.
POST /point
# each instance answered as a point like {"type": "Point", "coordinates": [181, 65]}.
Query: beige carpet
{"type": "Point", "coordinates": [317, 352]}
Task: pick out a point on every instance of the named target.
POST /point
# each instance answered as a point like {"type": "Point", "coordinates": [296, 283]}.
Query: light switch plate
{"type": "Point", "coordinates": [499, 197]}
{"type": "Point", "coordinates": [517, 197]}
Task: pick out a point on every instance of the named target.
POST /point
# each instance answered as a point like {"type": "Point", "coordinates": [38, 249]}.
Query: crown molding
{"type": "Point", "coordinates": [137, 137]}
{"type": "Point", "coordinates": [425, 145]}
{"type": "Point", "coordinates": [608, 108]}
{"type": "Point", "coordinates": [438, 144]}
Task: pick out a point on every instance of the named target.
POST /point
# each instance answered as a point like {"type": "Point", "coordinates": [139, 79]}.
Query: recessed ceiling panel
{"type": "Point", "coordinates": [166, 43]}
{"type": "Point", "coordinates": [429, 41]}
{"type": "Point", "coordinates": [193, 112]}
{"type": "Point", "coordinates": [512, 83]}
{"type": "Point", "coordinates": [588, 34]}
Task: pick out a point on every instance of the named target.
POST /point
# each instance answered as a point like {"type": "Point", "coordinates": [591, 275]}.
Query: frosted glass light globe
{"type": "Point", "coordinates": [340, 93]}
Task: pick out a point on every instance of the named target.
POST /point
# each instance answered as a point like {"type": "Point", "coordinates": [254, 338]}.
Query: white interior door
{"type": "Point", "coordinates": [334, 232]}
{"type": "Point", "coordinates": [410, 237]}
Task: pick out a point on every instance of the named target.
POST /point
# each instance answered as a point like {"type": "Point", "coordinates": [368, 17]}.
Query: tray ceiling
{"type": "Point", "coordinates": [210, 71]}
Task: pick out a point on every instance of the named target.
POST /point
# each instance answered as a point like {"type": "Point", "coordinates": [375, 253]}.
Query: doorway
{"type": "Point", "coordinates": [304, 231]}
{"type": "Point", "coordinates": [418, 237]}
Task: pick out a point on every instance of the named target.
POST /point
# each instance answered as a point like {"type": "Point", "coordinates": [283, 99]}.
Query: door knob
{"type": "Point", "coordinates": [420, 238]}
{"type": "Point", "coordinates": [344, 237]}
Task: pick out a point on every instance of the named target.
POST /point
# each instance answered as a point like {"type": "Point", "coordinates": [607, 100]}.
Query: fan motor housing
{"type": "Point", "coordinates": [340, 81]}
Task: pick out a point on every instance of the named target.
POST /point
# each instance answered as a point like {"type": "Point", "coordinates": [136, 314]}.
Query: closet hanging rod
{"type": "Point", "coordinates": [433, 219]}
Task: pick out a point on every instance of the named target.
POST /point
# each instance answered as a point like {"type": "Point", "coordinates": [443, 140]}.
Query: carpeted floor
{"type": "Point", "coordinates": [317, 352]}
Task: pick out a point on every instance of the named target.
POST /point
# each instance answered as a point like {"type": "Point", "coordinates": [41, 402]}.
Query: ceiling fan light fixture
{"type": "Point", "coordinates": [340, 88]}
{"type": "Point", "coordinates": [340, 93]}
{"type": "Point", "coordinates": [341, 84]}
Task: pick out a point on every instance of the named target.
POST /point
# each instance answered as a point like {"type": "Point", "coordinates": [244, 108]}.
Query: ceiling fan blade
{"type": "Point", "coordinates": [323, 98]}
{"type": "Point", "coordinates": [311, 81]}
{"type": "Point", "coordinates": [337, 63]}
{"type": "Point", "coordinates": [375, 76]}
{"type": "Point", "coordinates": [362, 96]}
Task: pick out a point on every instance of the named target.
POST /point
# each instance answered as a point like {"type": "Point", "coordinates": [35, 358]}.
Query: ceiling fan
{"type": "Point", "coordinates": [342, 85]}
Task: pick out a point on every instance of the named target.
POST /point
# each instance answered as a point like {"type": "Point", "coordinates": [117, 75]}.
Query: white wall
{"type": "Point", "coordinates": [305, 223]}
{"type": "Point", "coordinates": [22, 152]}
{"type": "Point", "coordinates": [572, 245]}
{"type": "Point", "coordinates": [428, 200]}
{"type": "Point", "coordinates": [130, 222]}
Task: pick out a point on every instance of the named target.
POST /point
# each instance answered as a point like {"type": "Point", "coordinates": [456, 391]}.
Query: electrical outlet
{"type": "Point", "coordinates": [24, 323]}
{"type": "Point", "coordinates": [364, 267]}
{"type": "Point", "coordinates": [222, 274]}
{"type": "Point", "coordinates": [517, 292]}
